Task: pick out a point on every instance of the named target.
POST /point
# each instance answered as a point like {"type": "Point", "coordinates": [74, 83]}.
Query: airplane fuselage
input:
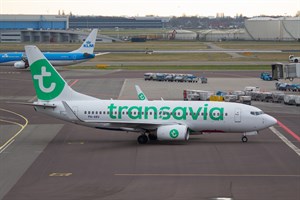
{"type": "Point", "coordinates": [56, 58]}
{"type": "Point", "coordinates": [198, 116]}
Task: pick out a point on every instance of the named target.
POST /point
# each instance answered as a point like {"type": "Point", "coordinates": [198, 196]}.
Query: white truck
{"type": "Point", "coordinates": [294, 59]}
{"type": "Point", "coordinates": [196, 95]}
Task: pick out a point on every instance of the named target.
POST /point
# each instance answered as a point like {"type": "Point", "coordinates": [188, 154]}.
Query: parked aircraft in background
{"type": "Point", "coordinates": [154, 120]}
{"type": "Point", "coordinates": [82, 54]}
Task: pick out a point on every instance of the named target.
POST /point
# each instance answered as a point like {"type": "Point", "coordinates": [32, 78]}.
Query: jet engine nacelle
{"type": "Point", "coordinates": [173, 132]}
{"type": "Point", "coordinates": [20, 65]}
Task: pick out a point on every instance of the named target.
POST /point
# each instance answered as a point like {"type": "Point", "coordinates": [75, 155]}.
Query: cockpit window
{"type": "Point", "coordinates": [256, 112]}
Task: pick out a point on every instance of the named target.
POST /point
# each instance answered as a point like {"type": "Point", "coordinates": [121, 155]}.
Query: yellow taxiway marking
{"type": "Point", "coordinates": [211, 175]}
{"type": "Point", "coordinates": [8, 142]}
{"type": "Point", "coordinates": [60, 174]}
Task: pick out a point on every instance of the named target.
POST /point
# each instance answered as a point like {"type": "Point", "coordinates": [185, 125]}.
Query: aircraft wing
{"type": "Point", "coordinates": [130, 126]}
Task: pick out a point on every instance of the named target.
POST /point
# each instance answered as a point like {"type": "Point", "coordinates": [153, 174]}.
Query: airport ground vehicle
{"type": "Point", "coordinates": [288, 87]}
{"type": "Point", "coordinates": [171, 77]}
{"type": "Point", "coordinates": [266, 76]}
{"type": "Point", "coordinates": [290, 99]}
{"type": "Point", "coordinates": [294, 59]}
{"type": "Point", "coordinates": [245, 99]}
{"type": "Point", "coordinates": [149, 76]}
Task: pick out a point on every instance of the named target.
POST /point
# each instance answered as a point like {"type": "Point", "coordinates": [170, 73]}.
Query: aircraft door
{"type": "Point", "coordinates": [237, 115]}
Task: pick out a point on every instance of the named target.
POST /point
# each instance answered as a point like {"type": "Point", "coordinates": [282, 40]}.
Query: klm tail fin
{"type": "Point", "coordinates": [48, 83]}
{"type": "Point", "coordinates": [89, 43]}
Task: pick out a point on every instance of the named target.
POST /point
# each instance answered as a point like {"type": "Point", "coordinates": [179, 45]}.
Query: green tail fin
{"type": "Point", "coordinates": [48, 83]}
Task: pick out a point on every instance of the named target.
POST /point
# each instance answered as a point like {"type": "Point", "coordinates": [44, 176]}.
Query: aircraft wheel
{"type": "Point", "coordinates": [142, 139]}
{"type": "Point", "coordinates": [244, 139]}
{"type": "Point", "coordinates": [152, 137]}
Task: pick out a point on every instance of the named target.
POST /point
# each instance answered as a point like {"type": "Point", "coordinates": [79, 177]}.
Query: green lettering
{"type": "Point", "coordinates": [121, 108]}
{"type": "Point", "coordinates": [218, 117]}
{"type": "Point", "coordinates": [195, 115]}
{"type": "Point", "coordinates": [147, 109]}
{"type": "Point", "coordinates": [111, 107]}
{"type": "Point", "coordinates": [138, 109]}
{"type": "Point", "coordinates": [164, 114]}
{"type": "Point", "coordinates": [183, 113]}
{"type": "Point", "coordinates": [205, 112]}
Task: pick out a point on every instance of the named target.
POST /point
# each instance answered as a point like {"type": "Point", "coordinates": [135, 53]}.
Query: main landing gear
{"type": "Point", "coordinates": [143, 139]}
{"type": "Point", "coordinates": [244, 139]}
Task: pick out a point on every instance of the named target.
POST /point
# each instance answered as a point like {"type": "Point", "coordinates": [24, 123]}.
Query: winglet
{"type": "Point", "coordinates": [140, 94]}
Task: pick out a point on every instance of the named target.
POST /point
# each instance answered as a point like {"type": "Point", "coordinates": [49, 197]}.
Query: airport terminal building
{"type": "Point", "coordinates": [41, 28]}
{"type": "Point", "coordinates": [63, 28]}
{"type": "Point", "coordinates": [115, 22]}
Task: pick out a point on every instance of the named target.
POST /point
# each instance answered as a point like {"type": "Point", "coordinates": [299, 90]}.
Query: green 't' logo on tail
{"type": "Point", "coordinates": [47, 82]}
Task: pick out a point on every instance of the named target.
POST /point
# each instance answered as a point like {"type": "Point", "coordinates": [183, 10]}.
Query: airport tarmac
{"type": "Point", "coordinates": [52, 159]}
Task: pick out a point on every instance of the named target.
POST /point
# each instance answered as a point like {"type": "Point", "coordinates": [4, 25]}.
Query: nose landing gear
{"type": "Point", "coordinates": [244, 139]}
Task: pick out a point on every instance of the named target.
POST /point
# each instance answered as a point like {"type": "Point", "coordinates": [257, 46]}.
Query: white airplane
{"type": "Point", "coordinates": [161, 120]}
{"type": "Point", "coordinates": [84, 53]}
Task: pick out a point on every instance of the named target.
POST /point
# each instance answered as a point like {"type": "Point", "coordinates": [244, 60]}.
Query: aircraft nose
{"type": "Point", "coordinates": [269, 120]}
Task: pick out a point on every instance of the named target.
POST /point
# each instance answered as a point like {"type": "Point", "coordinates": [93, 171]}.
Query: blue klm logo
{"type": "Point", "coordinates": [88, 44]}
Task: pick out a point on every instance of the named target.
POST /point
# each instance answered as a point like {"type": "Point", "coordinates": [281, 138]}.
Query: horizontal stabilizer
{"type": "Point", "coordinates": [101, 54]}
{"type": "Point", "coordinates": [36, 104]}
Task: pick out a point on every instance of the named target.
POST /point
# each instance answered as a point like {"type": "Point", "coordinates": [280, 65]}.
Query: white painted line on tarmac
{"type": "Point", "coordinates": [122, 89]}
{"type": "Point", "coordinates": [285, 140]}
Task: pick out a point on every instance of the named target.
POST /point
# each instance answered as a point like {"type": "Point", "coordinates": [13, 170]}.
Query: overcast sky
{"type": "Point", "coordinates": [152, 7]}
